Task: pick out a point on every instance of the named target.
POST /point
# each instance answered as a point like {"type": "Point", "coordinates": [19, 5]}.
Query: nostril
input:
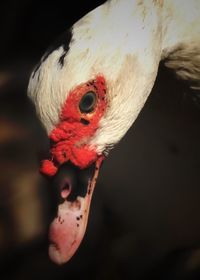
{"type": "Point", "coordinates": [65, 190]}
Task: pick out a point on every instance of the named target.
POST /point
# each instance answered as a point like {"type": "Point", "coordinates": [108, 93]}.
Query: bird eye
{"type": "Point", "coordinates": [88, 102]}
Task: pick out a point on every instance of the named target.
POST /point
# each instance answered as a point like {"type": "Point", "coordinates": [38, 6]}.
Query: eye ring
{"type": "Point", "coordinates": [88, 102]}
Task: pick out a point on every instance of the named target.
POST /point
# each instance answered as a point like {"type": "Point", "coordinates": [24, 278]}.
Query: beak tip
{"type": "Point", "coordinates": [55, 255]}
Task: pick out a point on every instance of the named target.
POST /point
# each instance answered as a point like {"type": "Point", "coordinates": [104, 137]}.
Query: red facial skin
{"type": "Point", "coordinates": [70, 137]}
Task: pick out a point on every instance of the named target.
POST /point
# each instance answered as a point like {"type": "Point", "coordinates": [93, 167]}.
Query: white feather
{"type": "Point", "coordinates": [124, 40]}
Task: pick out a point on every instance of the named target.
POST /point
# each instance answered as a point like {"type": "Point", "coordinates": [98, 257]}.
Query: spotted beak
{"type": "Point", "coordinates": [75, 189]}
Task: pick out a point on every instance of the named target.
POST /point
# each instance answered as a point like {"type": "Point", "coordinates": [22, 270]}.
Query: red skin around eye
{"type": "Point", "coordinates": [70, 137]}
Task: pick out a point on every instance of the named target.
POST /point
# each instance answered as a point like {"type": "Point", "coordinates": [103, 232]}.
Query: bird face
{"type": "Point", "coordinates": [79, 120]}
{"type": "Point", "coordinates": [88, 89]}
{"type": "Point", "coordinates": [76, 163]}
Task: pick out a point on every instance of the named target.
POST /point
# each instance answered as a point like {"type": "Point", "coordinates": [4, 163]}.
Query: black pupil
{"type": "Point", "coordinates": [88, 102]}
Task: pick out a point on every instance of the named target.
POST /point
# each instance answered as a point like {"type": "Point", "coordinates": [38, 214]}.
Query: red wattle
{"type": "Point", "coordinates": [70, 137]}
{"type": "Point", "coordinates": [48, 168]}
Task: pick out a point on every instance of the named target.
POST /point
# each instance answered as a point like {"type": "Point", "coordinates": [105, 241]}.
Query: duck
{"type": "Point", "coordinates": [90, 86]}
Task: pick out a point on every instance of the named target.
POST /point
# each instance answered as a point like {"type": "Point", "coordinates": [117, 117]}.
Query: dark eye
{"type": "Point", "coordinates": [88, 102]}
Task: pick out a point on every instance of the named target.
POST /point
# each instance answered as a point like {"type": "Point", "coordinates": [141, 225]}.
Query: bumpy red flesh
{"type": "Point", "coordinates": [70, 137]}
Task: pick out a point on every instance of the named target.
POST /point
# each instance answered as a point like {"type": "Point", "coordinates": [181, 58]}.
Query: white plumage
{"type": "Point", "coordinates": [123, 40]}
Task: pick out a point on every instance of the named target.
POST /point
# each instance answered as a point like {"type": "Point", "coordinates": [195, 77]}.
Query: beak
{"type": "Point", "coordinates": [67, 230]}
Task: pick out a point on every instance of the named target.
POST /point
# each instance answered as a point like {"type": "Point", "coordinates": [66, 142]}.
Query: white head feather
{"type": "Point", "coordinates": [123, 41]}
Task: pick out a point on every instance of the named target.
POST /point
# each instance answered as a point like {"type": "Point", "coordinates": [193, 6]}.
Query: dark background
{"type": "Point", "coordinates": [144, 221]}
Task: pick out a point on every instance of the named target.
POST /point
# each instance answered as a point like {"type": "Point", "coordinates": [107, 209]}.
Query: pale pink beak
{"type": "Point", "coordinates": [68, 228]}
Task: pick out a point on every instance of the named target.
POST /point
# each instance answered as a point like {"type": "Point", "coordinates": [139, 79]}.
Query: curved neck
{"type": "Point", "coordinates": [137, 49]}
{"type": "Point", "coordinates": [154, 29]}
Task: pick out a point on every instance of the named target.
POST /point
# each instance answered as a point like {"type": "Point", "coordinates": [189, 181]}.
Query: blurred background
{"type": "Point", "coordinates": [144, 220]}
